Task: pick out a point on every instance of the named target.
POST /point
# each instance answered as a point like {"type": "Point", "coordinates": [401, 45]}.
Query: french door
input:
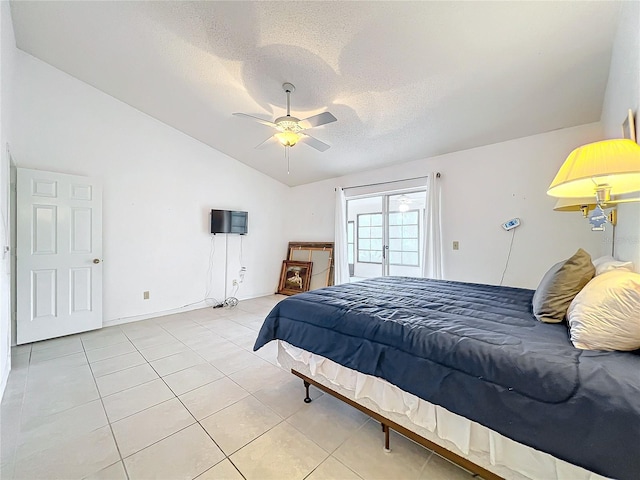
{"type": "Point", "coordinates": [388, 234]}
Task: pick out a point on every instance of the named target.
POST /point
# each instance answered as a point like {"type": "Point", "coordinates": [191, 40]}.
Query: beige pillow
{"type": "Point", "coordinates": [605, 315]}
{"type": "Point", "coordinates": [560, 285]}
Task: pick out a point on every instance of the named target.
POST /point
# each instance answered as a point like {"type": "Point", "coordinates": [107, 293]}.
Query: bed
{"type": "Point", "coordinates": [476, 372]}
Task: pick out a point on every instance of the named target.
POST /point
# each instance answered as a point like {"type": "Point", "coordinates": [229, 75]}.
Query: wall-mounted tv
{"type": "Point", "coordinates": [227, 221]}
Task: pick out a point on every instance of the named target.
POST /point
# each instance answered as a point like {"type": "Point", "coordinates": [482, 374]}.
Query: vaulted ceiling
{"type": "Point", "coordinates": [406, 80]}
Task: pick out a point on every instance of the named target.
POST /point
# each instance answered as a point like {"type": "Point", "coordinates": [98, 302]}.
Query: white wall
{"type": "Point", "coordinates": [623, 93]}
{"type": "Point", "coordinates": [7, 59]}
{"type": "Point", "coordinates": [159, 186]}
{"type": "Point", "coordinates": [481, 188]}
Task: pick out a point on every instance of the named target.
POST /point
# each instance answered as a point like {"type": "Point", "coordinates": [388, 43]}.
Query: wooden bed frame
{"type": "Point", "coordinates": [388, 424]}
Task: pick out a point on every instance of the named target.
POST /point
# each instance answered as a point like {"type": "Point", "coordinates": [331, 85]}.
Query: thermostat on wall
{"type": "Point", "coordinates": [511, 224]}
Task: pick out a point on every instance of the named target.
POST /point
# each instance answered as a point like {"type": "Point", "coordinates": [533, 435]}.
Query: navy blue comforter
{"type": "Point", "coordinates": [478, 351]}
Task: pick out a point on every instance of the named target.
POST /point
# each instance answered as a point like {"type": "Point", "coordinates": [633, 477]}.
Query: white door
{"type": "Point", "coordinates": [59, 255]}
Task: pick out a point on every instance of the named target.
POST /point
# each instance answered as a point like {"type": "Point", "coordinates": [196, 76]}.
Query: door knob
{"type": "Point", "coordinates": [96, 260]}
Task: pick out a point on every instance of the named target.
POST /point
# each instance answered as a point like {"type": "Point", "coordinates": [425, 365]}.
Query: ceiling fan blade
{"type": "Point", "coordinates": [317, 120]}
{"type": "Point", "coordinates": [259, 120]}
{"type": "Point", "coordinates": [266, 143]}
{"type": "Point", "coordinates": [313, 142]}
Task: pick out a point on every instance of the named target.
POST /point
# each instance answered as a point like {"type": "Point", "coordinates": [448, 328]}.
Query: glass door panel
{"type": "Point", "coordinates": [365, 214]}
{"type": "Point", "coordinates": [406, 213]}
{"type": "Point", "coordinates": [385, 235]}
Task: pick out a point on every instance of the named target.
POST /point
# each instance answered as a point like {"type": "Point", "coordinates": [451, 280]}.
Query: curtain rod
{"type": "Point", "coordinates": [392, 181]}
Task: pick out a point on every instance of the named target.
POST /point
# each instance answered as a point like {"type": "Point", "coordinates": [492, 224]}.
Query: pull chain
{"type": "Point", "coordinates": [286, 153]}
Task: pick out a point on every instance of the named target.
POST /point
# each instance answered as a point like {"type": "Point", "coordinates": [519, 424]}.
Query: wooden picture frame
{"type": "Point", "coordinates": [629, 128]}
{"type": "Point", "coordinates": [321, 254]}
{"type": "Point", "coordinates": [295, 277]}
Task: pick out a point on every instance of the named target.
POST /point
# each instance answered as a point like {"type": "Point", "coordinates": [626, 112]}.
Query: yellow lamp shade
{"type": "Point", "coordinates": [613, 164]}
{"type": "Point", "coordinates": [575, 204]}
{"type": "Point", "coordinates": [288, 138]}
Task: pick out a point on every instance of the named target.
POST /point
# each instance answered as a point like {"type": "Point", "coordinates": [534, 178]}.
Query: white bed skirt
{"type": "Point", "coordinates": [482, 446]}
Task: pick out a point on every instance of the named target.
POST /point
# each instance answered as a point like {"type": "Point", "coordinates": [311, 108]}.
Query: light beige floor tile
{"type": "Point", "coordinates": [112, 472]}
{"type": "Point", "coordinates": [245, 341]}
{"type": "Point", "coordinates": [161, 351]}
{"type": "Point", "coordinates": [133, 400]}
{"type": "Point", "coordinates": [142, 329]}
{"type": "Point", "coordinates": [54, 352]}
{"type": "Point", "coordinates": [7, 470]}
{"type": "Point", "coordinates": [45, 432]}
{"type": "Point", "coordinates": [9, 434]}
{"type": "Point", "coordinates": [76, 458]}
{"type": "Point", "coordinates": [220, 325]}
{"type": "Point", "coordinates": [282, 452]}
{"type": "Point", "coordinates": [212, 397]}
{"type": "Point", "coordinates": [259, 376]}
{"type": "Point", "coordinates": [332, 469]}
{"type": "Point", "coordinates": [172, 322]}
{"type": "Point", "coordinates": [269, 353]}
{"type": "Point", "coordinates": [20, 360]}
{"type": "Point", "coordinates": [51, 376]}
{"type": "Point", "coordinates": [221, 471]}
{"type": "Point", "coordinates": [151, 425]}
{"type": "Point", "coordinates": [110, 351]}
{"type": "Point", "coordinates": [210, 341]}
{"type": "Point", "coordinates": [152, 340]}
{"type": "Point", "coordinates": [103, 338]}
{"type": "Point", "coordinates": [287, 398]}
{"type": "Point", "coordinates": [254, 324]}
{"type": "Point", "coordinates": [68, 344]}
{"type": "Point", "coordinates": [174, 363]}
{"type": "Point", "coordinates": [21, 349]}
{"type": "Point", "coordinates": [67, 361]}
{"type": "Point", "coordinates": [236, 331]}
{"type": "Point", "coordinates": [235, 426]}
{"type": "Point", "coordinates": [189, 333]}
{"type": "Point", "coordinates": [218, 351]}
{"type": "Point", "coordinates": [124, 379]}
{"type": "Point", "coordinates": [438, 467]}
{"type": "Point", "coordinates": [60, 390]}
{"type": "Point", "coordinates": [364, 453]}
{"type": "Point", "coordinates": [328, 421]}
{"type": "Point", "coordinates": [192, 377]}
{"type": "Point", "coordinates": [16, 385]}
{"type": "Point", "coordinates": [237, 361]}
{"type": "Point", "coordinates": [185, 454]}
{"type": "Point", "coordinates": [115, 364]}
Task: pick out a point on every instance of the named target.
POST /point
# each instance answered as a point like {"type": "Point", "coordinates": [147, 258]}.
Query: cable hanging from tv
{"type": "Point", "coordinates": [228, 222]}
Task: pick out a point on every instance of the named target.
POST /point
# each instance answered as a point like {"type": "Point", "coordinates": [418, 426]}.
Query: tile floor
{"type": "Point", "coordinates": [184, 396]}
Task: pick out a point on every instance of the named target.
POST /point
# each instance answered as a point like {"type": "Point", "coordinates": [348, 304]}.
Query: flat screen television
{"type": "Point", "coordinates": [227, 221]}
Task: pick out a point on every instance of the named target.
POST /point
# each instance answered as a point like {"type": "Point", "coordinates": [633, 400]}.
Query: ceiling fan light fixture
{"type": "Point", "coordinates": [288, 138]}
{"type": "Point", "coordinates": [404, 202]}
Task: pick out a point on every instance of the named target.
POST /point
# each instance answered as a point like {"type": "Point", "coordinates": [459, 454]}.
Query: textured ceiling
{"type": "Point", "coordinates": [406, 80]}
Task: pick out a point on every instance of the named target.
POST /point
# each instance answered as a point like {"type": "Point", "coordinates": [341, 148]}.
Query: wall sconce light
{"type": "Point", "coordinates": [597, 171]}
{"type": "Point", "coordinates": [583, 204]}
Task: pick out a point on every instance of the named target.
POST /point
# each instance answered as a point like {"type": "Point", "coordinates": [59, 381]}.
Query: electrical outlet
{"type": "Point", "coordinates": [456, 245]}
{"type": "Point", "coordinates": [145, 295]}
{"type": "Point", "coordinates": [235, 283]}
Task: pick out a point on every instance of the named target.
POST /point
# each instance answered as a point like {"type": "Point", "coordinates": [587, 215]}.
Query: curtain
{"type": "Point", "coordinates": [432, 247]}
{"type": "Point", "coordinates": [341, 262]}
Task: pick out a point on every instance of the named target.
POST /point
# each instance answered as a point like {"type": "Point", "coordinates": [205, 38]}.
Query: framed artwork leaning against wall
{"type": "Point", "coordinates": [295, 277]}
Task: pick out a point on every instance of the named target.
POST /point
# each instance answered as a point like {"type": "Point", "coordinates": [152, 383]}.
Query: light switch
{"type": "Point", "coordinates": [456, 245]}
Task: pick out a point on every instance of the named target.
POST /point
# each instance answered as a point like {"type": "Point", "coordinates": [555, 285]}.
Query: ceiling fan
{"type": "Point", "coordinates": [291, 129]}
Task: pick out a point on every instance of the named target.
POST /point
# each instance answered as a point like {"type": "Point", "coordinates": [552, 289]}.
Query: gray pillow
{"type": "Point", "coordinates": [560, 285]}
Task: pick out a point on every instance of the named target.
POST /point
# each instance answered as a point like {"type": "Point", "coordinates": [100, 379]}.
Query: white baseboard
{"type": "Point", "coordinates": [146, 316]}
